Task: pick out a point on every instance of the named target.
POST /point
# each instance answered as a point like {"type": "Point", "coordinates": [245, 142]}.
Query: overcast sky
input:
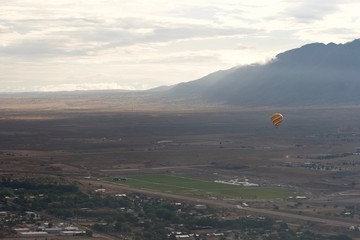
{"type": "Point", "coordinates": [115, 44]}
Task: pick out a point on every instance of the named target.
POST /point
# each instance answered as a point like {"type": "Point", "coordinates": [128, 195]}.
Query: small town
{"type": "Point", "coordinates": [49, 208]}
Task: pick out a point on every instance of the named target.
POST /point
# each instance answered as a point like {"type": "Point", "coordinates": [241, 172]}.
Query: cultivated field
{"type": "Point", "coordinates": [203, 188]}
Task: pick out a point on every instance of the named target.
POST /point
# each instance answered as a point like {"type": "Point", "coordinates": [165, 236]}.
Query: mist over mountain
{"type": "Point", "coordinates": [314, 74]}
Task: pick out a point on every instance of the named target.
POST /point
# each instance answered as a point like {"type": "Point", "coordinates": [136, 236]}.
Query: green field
{"type": "Point", "coordinates": [196, 187]}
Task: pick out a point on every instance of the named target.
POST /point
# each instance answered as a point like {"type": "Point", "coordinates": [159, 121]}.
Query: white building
{"type": "Point", "coordinates": [200, 206]}
{"type": "Point", "coordinates": [100, 190]}
{"type": "Point", "coordinates": [33, 234]}
{"type": "Point", "coordinates": [72, 233]}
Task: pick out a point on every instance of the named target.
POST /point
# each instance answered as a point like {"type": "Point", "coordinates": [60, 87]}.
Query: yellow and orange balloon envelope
{"type": "Point", "coordinates": [277, 119]}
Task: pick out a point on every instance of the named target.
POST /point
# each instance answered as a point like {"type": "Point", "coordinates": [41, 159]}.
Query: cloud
{"type": "Point", "coordinates": [194, 32]}
{"type": "Point", "coordinates": [310, 10]}
{"type": "Point", "coordinates": [90, 86]}
{"type": "Point", "coordinates": [82, 37]}
{"type": "Point", "coordinates": [31, 49]}
{"type": "Point", "coordinates": [67, 29]}
{"type": "Point", "coordinates": [115, 43]}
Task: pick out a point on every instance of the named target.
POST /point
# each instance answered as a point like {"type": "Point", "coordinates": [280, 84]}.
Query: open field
{"type": "Point", "coordinates": [310, 154]}
{"type": "Point", "coordinates": [204, 188]}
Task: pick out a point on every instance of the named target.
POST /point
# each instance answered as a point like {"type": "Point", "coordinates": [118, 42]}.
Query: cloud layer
{"type": "Point", "coordinates": [66, 45]}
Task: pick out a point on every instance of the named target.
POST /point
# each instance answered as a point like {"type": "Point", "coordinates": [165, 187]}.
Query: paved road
{"type": "Point", "coordinates": [221, 203]}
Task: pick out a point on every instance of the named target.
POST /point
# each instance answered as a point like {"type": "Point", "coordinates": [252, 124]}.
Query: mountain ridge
{"type": "Point", "coordinates": [314, 74]}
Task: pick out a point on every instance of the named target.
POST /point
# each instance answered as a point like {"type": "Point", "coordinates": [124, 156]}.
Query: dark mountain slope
{"type": "Point", "coordinates": [315, 74]}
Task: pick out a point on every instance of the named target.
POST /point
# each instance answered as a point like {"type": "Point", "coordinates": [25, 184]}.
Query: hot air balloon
{"type": "Point", "coordinates": [277, 119]}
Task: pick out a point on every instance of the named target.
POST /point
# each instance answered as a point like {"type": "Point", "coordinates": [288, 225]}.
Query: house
{"type": "Point", "coordinates": [120, 195]}
{"type": "Point", "coordinates": [100, 190]}
{"type": "Point", "coordinates": [200, 207]}
{"type": "Point", "coordinates": [71, 228]}
{"type": "Point", "coordinates": [72, 233]}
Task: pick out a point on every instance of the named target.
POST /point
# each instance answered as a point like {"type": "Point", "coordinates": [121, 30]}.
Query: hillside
{"type": "Point", "coordinates": [314, 74]}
